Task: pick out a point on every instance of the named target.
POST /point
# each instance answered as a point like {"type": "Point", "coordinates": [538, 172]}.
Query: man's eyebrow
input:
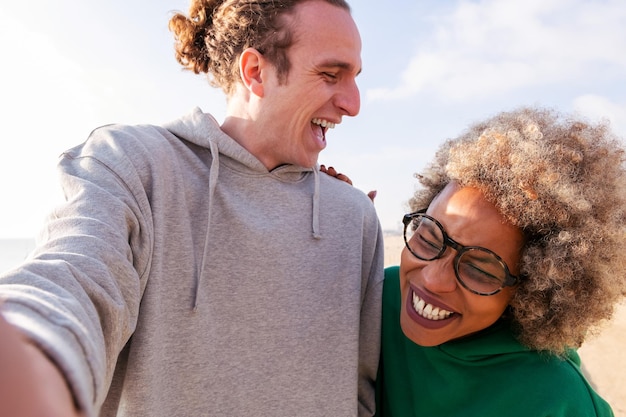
{"type": "Point", "coordinates": [339, 64]}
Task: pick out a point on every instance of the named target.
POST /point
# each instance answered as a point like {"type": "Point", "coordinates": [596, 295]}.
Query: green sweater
{"type": "Point", "coordinates": [487, 374]}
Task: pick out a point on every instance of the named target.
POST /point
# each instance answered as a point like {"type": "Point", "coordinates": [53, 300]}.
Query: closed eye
{"type": "Point", "coordinates": [478, 274]}
{"type": "Point", "coordinates": [330, 76]}
{"type": "Point", "coordinates": [425, 241]}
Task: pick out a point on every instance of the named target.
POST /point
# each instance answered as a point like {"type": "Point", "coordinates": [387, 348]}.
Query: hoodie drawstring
{"type": "Point", "coordinates": [316, 204]}
{"type": "Point", "coordinates": [213, 175]}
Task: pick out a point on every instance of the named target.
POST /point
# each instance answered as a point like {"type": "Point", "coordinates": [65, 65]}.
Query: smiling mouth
{"type": "Point", "coordinates": [324, 126]}
{"type": "Point", "coordinates": [428, 311]}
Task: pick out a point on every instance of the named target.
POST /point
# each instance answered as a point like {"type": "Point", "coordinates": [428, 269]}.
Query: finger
{"type": "Point", "coordinates": [372, 195]}
{"type": "Point", "coordinates": [345, 178]}
{"type": "Point", "coordinates": [331, 171]}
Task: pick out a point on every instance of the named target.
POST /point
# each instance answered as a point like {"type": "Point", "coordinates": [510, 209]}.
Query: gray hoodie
{"type": "Point", "coordinates": [182, 278]}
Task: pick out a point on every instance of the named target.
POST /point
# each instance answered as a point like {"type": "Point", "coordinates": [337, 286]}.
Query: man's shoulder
{"type": "Point", "coordinates": [127, 134]}
{"type": "Point", "coordinates": [342, 190]}
{"type": "Point", "coordinates": [116, 139]}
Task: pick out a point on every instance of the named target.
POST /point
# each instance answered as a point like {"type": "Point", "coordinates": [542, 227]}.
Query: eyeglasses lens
{"type": "Point", "coordinates": [425, 238]}
{"type": "Point", "coordinates": [480, 271]}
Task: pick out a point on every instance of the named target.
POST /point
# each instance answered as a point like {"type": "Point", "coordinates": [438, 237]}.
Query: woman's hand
{"type": "Point", "coordinates": [333, 173]}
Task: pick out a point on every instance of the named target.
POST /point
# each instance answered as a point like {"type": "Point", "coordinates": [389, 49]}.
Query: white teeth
{"type": "Point", "coordinates": [323, 123]}
{"type": "Point", "coordinates": [429, 311]}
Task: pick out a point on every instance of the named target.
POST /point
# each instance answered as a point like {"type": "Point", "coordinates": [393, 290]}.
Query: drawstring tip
{"type": "Point", "coordinates": [194, 306]}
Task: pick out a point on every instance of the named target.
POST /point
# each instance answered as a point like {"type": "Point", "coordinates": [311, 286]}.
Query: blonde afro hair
{"type": "Point", "coordinates": [562, 181]}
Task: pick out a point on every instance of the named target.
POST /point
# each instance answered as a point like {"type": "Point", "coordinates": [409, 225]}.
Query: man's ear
{"type": "Point", "coordinates": [251, 63]}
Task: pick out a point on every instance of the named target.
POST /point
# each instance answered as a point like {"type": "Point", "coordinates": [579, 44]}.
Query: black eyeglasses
{"type": "Point", "coordinates": [478, 269]}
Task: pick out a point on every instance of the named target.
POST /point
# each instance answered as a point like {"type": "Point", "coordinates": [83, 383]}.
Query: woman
{"type": "Point", "coordinates": [514, 253]}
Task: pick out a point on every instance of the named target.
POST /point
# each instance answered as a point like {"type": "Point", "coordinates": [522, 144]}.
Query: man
{"type": "Point", "coordinates": [199, 269]}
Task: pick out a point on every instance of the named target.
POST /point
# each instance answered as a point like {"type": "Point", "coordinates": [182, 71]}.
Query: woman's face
{"type": "Point", "coordinates": [471, 221]}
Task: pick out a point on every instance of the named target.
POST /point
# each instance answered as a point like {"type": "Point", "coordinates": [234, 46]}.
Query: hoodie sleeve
{"type": "Point", "coordinates": [77, 295]}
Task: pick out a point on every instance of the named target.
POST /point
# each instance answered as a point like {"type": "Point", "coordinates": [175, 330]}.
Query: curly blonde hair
{"type": "Point", "coordinates": [214, 34]}
{"type": "Point", "coordinates": [561, 180]}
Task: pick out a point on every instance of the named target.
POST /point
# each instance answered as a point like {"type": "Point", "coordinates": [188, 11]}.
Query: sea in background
{"type": "Point", "coordinates": [14, 251]}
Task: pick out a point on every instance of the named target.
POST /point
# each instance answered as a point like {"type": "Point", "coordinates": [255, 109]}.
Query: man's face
{"type": "Point", "coordinates": [319, 90]}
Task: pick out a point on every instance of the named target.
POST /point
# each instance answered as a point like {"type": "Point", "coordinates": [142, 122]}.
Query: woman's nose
{"type": "Point", "coordinates": [438, 275]}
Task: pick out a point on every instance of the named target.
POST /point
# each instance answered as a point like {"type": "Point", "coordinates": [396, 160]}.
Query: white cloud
{"type": "Point", "coordinates": [492, 47]}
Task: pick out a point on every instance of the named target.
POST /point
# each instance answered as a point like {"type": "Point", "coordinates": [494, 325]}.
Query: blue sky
{"type": "Point", "coordinates": [430, 68]}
